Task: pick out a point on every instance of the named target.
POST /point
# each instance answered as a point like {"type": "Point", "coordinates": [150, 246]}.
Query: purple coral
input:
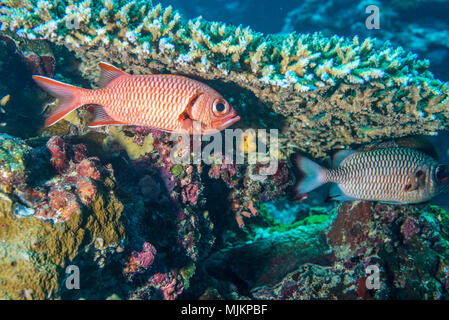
{"type": "Point", "coordinates": [140, 261]}
{"type": "Point", "coordinates": [169, 284]}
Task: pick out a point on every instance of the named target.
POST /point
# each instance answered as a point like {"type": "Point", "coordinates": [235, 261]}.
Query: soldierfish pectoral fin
{"type": "Point", "coordinates": [186, 123]}
{"type": "Point", "coordinates": [335, 193]}
{"type": "Point", "coordinates": [108, 73]}
{"type": "Point", "coordinates": [68, 95]}
{"type": "Point", "coordinates": [101, 118]}
{"type": "Point", "coordinates": [185, 118]}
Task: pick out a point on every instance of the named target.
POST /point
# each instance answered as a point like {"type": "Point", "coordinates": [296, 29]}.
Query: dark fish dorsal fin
{"type": "Point", "coordinates": [419, 143]}
{"type": "Point", "coordinates": [381, 145]}
{"type": "Point", "coordinates": [339, 156]}
{"type": "Point", "coordinates": [108, 73]}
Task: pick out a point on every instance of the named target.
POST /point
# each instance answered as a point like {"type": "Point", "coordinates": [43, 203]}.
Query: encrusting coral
{"type": "Point", "coordinates": [333, 92]}
{"type": "Point", "coordinates": [89, 222]}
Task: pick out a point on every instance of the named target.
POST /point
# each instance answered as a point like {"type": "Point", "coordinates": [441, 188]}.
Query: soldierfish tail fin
{"type": "Point", "coordinates": [69, 97]}
{"type": "Point", "coordinates": [311, 176]}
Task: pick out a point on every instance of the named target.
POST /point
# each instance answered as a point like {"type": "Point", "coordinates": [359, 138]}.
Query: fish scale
{"type": "Point", "coordinates": [379, 174]}
{"type": "Point", "coordinates": [171, 99]}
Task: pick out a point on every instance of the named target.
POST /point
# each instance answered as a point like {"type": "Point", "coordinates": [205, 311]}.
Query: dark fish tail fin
{"type": "Point", "coordinates": [311, 176]}
{"type": "Point", "coordinates": [69, 97]}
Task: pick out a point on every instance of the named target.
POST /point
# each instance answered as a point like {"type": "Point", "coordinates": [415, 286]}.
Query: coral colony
{"type": "Point", "coordinates": [145, 214]}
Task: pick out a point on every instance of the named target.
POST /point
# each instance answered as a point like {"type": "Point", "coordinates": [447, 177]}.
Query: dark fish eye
{"type": "Point", "coordinates": [442, 174]}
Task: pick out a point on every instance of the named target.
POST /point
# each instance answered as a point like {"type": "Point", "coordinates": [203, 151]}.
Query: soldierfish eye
{"type": "Point", "coordinates": [220, 108]}
{"type": "Point", "coordinates": [442, 174]}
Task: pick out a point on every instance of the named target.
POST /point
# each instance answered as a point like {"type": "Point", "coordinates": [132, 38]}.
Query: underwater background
{"type": "Point", "coordinates": [110, 206]}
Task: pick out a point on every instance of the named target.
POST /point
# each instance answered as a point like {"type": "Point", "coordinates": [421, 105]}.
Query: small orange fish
{"type": "Point", "coordinates": [160, 101]}
{"type": "Point", "coordinates": [4, 100]}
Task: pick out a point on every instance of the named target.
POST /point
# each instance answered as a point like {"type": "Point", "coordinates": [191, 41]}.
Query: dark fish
{"type": "Point", "coordinates": [387, 173]}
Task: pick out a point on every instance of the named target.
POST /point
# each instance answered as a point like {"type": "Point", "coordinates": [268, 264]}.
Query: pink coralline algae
{"type": "Point", "coordinates": [62, 204]}
{"type": "Point", "coordinates": [85, 188]}
{"type": "Point", "coordinates": [58, 150]}
{"type": "Point", "coordinates": [409, 228]}
{"type": "Point", "coordinates": [89, 168]}
{"type": "Point", "coordinates": [140, 133]}
{"type": "Point", "coordinates": [140, 261]}
{"type": "Point", "coordinates": [190, 193]}
{"type": "Point", "coordinates": [79, 152]}
{"type": "Point", "coordinates": [168, 284]}
{"type": "Point", "coordinates": [225, 170]}
{"type": "Point", "coordinates": [74, 184]}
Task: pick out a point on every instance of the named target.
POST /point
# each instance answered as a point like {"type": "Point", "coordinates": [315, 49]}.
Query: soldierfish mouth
{"type": "Point", "coordinates": [228, 123]}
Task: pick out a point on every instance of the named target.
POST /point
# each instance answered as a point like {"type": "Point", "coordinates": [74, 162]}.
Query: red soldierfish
{"type": "Point", "coordinates": [396, 175]}
{"type": "Point", "coordinates": [160, 101]}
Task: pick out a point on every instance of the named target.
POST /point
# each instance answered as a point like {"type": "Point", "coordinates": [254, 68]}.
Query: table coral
{"type": "Point", "coordinates": [333, 92]}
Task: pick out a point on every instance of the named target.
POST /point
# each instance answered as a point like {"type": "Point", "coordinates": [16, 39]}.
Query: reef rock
{"type": "Point", "coordinates": [36, 248]}
{"type": "Point", "coordinates": [378, 252]}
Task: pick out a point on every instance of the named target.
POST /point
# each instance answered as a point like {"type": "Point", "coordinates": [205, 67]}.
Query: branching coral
{"type": "Point", "coordinates": [334, 92]}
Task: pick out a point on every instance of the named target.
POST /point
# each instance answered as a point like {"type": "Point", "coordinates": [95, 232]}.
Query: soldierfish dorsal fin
{"type": "Point", "coordinates": [419, 143]}
{"type": "Point", "coordinates": [108, 73]}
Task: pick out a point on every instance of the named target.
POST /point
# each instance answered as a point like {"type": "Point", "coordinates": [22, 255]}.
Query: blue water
{"type": "Point", "coordinates": [419, 26]}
